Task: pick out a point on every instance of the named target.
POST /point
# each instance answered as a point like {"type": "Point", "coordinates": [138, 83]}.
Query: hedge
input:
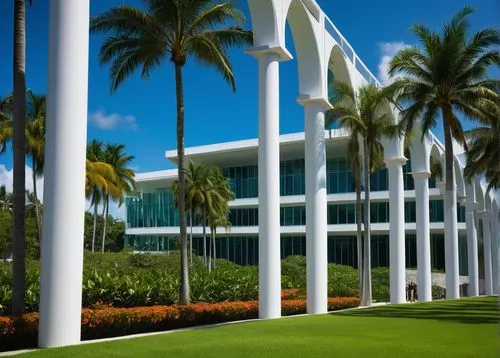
{"type": "Point", "coordinates": [21, 332]}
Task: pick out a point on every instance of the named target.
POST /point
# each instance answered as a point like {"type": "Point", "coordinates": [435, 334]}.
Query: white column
{"type": "Point", "coordinates": [424, 280]}
{"type": "Point", "coordinates": [64, 194]}
{"type": "Point", "coordinates": [451, 241]}
{"type": "Point", "coordinates": [472, 255]}
{"type": "Point", "coordinates": [396, 230]}
{"type": "Point", "coordinates": [488, 281]}
{"type": "Point", "coordinates": [494, 252]}
{"type": "Point", "coordinates": [269, 187]}
{"type": "Point", "coordinates": [316, 224]}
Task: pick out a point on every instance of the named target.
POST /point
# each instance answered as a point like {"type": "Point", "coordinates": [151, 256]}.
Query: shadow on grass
{"type": "Point", "coordinates": [470, 310]}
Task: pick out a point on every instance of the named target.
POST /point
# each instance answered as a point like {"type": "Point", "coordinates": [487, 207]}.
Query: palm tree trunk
{"type": "Point", "coordinates": [204, 239]}
{"type": "Point", "coordinates": [19, 126]}
{"type": "Point", "coordinates": [215, 252]}
{"type": "Point", "coordinates": [450, 210]}
{"type": "Point", "coordinates": [210, 252]}
{"type": "Point", "coordinates": [366, 299]}
{"type": "Point", "coordinates": [105, 215]}
{"type": "Point", "coordinates": [184, 279]}
{"type": "Point", "coordinates": [191, 238]}
{"type": "Point", "coordinates": [358, 229]}
{"type": "Point", "coordinates": [95, 222]}
{"type": "Point", "coordinates": [37, 206]}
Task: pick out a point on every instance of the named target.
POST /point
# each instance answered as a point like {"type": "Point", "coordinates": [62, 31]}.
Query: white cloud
{"type": "Point", "coordinates": [388, 51]}
{"type": "Point", "coordinates": [7, 175]}
{"type": "Point", "coordinates": [111, 121]}
{"type": "Point", "coordinates": [6, 178]}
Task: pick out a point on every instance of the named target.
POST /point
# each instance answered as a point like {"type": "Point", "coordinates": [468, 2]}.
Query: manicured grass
{"type": "Point", "coordinates": [459, 328]}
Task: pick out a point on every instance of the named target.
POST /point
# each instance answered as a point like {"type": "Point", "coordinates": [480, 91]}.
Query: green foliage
{"type": "Point", "coordinates": [115, 233]}
{"type": "Point", "coordinates": [124, 279]}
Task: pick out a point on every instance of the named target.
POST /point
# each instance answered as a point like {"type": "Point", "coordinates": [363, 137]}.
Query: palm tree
{"type": "Point", "coordinates": [5, 200]}
{"type": "Point", "coordinates": [197, 178]}
{"type": "Point", "coordinates": [355, 129]}
{"type": "Point", "coordinates": [219, 195]}
{"type": "Point", "coordinates": [365, 114]}
{"type": "Point", "coordinates": [35, 146]}
{"type": "Point", "coordinates": [98, 174]}
{"type": "Point", "coordinates": [95, 194]}
{"type": "Point", "coordinates": [171, 30]}
{"type": "Point", "coordinates": [19, 117]}
{"type": "Point", "coordinates": [449, 75]}
{"type": "Point", "coordinates": [34, 138]}
{"type": "Point", "coordinates": [123, 183]}
{"type": "Point", "coordinates": [483, 156]}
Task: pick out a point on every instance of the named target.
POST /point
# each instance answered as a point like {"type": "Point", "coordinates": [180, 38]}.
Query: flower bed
{"type": "Point", "coordinates": [21, 332]}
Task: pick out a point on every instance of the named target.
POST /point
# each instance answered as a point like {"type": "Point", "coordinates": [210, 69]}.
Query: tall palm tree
{"type": "Point", "coordinates": [95, 194]}
{"type": "Point", "coordinates": [171, 30]}
{"type": "Point", "coordinates": [447, 76]}
{"type": "Point", "coordinates": [483, 156]}
{"type": "Point", "coordinates": [123, 183]}
{"type": "Point", "coordinates": [19, 117]}
{"type": "Point", "coordinates": [364, 113]}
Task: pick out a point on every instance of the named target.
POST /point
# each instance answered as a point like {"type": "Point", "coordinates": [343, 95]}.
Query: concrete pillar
{"type": "Point", "coordinates": [488, 280]}
{"type": "Point", "coordinates": [424, 279]}
{"type": "Point", "coordinates": [316, 227]}
{"type": "Point", "coordinates": [495, 251]}
{"type": "Point", "coordinates": [396, 230]}
{"type": "Point", "coordinates": [64, 194]}
{"type": "Point", "coordinates": [472, 255]}
{"type": "Point", "coordinates": [269, 180]}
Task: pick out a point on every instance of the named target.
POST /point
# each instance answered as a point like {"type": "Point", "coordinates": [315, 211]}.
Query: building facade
{"type": "Point", "coordinates": [152, 220]}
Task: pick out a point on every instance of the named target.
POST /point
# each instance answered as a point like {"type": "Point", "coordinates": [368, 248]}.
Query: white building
{"type": "Point", "coordinates": [152, 220]}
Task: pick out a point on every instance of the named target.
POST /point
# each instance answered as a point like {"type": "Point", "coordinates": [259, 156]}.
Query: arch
{"type": "Point", "coordinates": [265, 23]}
{"type": "Point", "coordinates": [306, 32]}
{"type": "Point", "coordinates": [337, 65]}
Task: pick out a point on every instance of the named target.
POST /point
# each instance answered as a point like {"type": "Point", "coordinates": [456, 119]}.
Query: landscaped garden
{"type": "Point", "coordinates": [126, 293]}
{"type": "Point", "coordinates": [453, 328]}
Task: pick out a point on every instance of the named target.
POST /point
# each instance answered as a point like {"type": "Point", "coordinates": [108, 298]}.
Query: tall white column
{"type": "Point", "coordinates": [472, 255]}
{"type": "Point", "coordinates": [488, 281]}
{"type": "Point", "coordinates": [64, 194]}
{"type": "Point", "coordinates": [396, 230]}
{"type": "Point", "coordinates": [316, 224]}
{"type": "Point", "coordinates": [451, 241]}
{"type": "Point", "coordinates": [424, 280]}
{"type": "Point", "coordinates": [494, 251]}
{"type": "Point", "coordinates": [269, 186]}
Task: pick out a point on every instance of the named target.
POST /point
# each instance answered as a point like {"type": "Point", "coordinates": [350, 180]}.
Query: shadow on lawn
{"type": "Point", "coordinates": [475, 311]}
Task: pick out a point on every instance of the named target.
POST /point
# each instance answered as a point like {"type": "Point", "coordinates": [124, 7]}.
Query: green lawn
{"type": "Point", "coordinates": [459, 328]}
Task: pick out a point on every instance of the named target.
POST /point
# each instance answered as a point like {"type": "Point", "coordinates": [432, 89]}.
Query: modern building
{"type": "Point", "coordinates": [152, 220]}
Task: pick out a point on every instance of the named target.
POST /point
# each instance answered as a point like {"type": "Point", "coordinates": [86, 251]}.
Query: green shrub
{"type": "Point", "coordinates": [342, 281]}
{"type": "Point", "coordinates": [380, 284]}
{"type": "Point", "coordinates": [130, 280]}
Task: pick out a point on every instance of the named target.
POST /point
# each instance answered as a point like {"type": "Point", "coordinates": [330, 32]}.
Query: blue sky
{"type": "Point", "coordinates": [141, 114]}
